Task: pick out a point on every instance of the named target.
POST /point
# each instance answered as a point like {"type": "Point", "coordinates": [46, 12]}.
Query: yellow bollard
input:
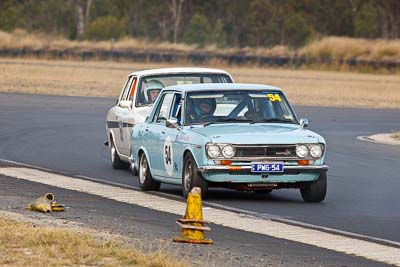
{"type": "Point", "coordinates": [45, 204]}
{"type": "Point", "coordinates": [193, 225]}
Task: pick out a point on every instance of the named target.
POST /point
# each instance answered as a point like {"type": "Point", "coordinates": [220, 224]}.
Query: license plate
{"type": "Point", "coordinates": [266, 167]}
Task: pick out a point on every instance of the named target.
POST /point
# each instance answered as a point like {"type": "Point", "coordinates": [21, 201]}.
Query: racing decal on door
{"type": "Point", "coordinates": [168, 156]}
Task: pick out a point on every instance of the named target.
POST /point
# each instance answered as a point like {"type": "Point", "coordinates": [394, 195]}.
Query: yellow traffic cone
{"type": "Point", "coordinates": [45, 204]}
{"type": "Point", "coordinates": [193, 225]}
{"type": "Point", "coordinates": [42, 204]}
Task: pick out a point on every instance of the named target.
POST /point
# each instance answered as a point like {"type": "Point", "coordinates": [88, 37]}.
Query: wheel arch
{"type": "Point", "coordinates": [189, 151]}
{"type": "Point", "coordinates": [143, 150]}
{"type": "Point", "coordinates": [112, 138]}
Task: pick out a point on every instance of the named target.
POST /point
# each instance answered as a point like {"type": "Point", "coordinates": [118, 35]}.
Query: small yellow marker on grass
{"type": "Point", "coordinates": [192, 224]}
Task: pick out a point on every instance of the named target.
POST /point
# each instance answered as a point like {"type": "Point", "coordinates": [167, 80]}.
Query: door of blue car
{"type": "Point", "coordinates": [172, 148]}
{"type": "Point", "coordinates": [156, 134]}
{"type": "Point", "coordinates": [162, 139]}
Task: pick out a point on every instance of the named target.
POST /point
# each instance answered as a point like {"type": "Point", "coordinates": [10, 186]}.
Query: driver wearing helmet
{"type": "Point", "coordinates": [151, 90]}
{"type": "Point", "coordinates": [203, 108]}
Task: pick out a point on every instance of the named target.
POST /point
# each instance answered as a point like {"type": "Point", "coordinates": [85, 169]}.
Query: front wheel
{"type": "Point", "coordinates": [192, 178]}
{"type": "Point", "coordinates": [116, 161]}
{"type": "Point", "coordinates": [146, 180]}
{"type": "Point", "coordinates": [315, 191]}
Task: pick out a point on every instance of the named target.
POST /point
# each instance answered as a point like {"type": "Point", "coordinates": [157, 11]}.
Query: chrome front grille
{"type": "Point", "coordinates": [265, 152]}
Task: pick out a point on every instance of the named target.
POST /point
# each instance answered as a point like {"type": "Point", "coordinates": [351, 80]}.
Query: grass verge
{"type": "Point", "coordinates": [105, 79]}
{"type": "Point", "coordinates": [353, 48]}
{"type": "Point", "coordinates": [24, 244]}
{"type": "Point", "coordinates": [329, 53]}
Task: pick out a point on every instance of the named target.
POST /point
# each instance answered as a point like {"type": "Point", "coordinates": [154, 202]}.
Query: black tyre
{"type": "Point", "coordinates": [191, 177]}
{"type": "Point", "coordinates": [145, 178]}
{"type": "Point", "coordinates": [133, 170]}
{"type": "Point", "coordinates": [116, 161]}
{"type": "Point", "coordinates": [315, 191]}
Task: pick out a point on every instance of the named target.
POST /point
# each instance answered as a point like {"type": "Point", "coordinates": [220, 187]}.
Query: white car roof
{"type": "Point", "coordinates": [177, 70]}
{"type": "Point", "coordinates": [220, 87]}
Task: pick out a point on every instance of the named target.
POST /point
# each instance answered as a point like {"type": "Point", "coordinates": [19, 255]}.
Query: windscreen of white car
{"type": "Point", "coordinates": [211, 107]}
{"type": "Point", "coordinates": [151, 84]}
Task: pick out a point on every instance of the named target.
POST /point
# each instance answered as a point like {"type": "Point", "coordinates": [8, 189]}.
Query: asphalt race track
{"type": "Point", "coordinates": [66, 134]}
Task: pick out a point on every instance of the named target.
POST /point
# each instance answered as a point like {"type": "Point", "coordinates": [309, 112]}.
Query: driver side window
{"type": "Point", "coordinates": [176, 108]}
{"type": "Point", "coordinates": [163, 108]}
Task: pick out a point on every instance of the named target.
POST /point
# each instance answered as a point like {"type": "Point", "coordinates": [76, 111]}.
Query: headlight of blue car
{"type": "Point", "coordinates": [213, 151]}
{"type": "Point", "coordinates": [316, 151]}
{"type": "Point", "coordinates": [313, 150]}
{"type": "Point", "coordinates": [302, 151]}
{"type": "Point", "coordinates": [220, 150]}
{"type": "Point", "coordinates": [228, 151]}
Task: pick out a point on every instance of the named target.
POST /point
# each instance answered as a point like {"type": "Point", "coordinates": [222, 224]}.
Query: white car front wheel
{"type": "Point", "coordinates": [116, 161]}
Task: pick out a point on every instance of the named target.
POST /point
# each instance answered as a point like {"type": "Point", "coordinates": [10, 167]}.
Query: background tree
{"type": "Point", "coordinates": [175, 7]}
{"type": "Point", "coordinates": [235, 23]}
{"type": "Point", "coordinates": [10, 14]}
{"type": "Point", "coordinates": [106, 28]}
{"type": "Point", "coordinates": [199, 31]}
{"type": "Point", "coordinates": [366, 20]}
{"type": "Point", "coordinates": [219, 34]}
{"type": "Point", "coordinates": [389, 18]}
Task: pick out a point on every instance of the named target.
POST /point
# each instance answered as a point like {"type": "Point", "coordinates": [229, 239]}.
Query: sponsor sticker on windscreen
{"type": "Point", "coordinates": [266, 167]}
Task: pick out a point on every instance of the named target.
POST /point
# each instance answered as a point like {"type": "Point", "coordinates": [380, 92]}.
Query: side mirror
{"type": "Point", "coordinates": [172, 123]}
{"type": "Point", "coordinates": [125, 104]}
{"type": "Point", "coordinates": [304, 122]}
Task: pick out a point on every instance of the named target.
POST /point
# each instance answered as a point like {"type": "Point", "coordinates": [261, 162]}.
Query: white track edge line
{"type": "Point", "coordinates": [350, 246]}
{"type": "Point", "coordinates": [228, 208]}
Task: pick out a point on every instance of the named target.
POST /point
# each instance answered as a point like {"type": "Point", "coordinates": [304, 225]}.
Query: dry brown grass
{"type": "Point", "coordinates": [303, 87]}
{"type": "Point", "coordinates": [347, 48]}
{"type": "Point", "coordinates": [23, 244]}
{"type": "Point", "coordinates": [328, 47]}
{"type": "Point", "coordinates": [323, 88]}
{"type": "Point", "coordinates": [21, 39]}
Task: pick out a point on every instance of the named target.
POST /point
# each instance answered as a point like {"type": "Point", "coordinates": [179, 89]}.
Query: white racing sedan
{"type": "Point", "coordinates": [138, 94]}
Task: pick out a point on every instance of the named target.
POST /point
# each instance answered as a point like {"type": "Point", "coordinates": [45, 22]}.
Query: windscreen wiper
{"type": "Point", "coordinates": [228, 120]}
{"type": "Point", "coordinates": [274, 120]}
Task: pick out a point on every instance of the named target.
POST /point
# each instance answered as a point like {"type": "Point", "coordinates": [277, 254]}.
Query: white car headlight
{"type": "Point", "coordinates": [302, 151]}
{"type": "Point", "coordinates": [213, 151]}
{"type": "Point", "coordinates": [228, 151]}
{"type": "Point", "coordinates": [316, 151]}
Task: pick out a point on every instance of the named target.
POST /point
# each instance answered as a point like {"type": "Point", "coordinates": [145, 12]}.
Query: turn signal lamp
{"type": "Point", "coordinates": [235, 168]}
{"type": "Point", "coordinates": [303, 162]}
{"type": "Point", "coordinates": [226, 162]}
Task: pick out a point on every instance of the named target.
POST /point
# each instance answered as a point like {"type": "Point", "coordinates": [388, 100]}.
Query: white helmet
{"type": "Point", "coordinates": [150, 86]}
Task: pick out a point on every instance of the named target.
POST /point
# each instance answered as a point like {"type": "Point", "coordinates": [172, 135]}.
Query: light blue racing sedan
{"type": "Point", "coordinates": [239, 136]}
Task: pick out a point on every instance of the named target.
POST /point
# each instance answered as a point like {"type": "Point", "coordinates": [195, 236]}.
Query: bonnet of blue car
{"type": "Point", "coordinates": [276, 133]}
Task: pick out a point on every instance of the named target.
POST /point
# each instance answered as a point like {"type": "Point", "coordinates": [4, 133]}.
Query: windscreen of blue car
{"type": "Point", "coordinates": [210, 107]}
